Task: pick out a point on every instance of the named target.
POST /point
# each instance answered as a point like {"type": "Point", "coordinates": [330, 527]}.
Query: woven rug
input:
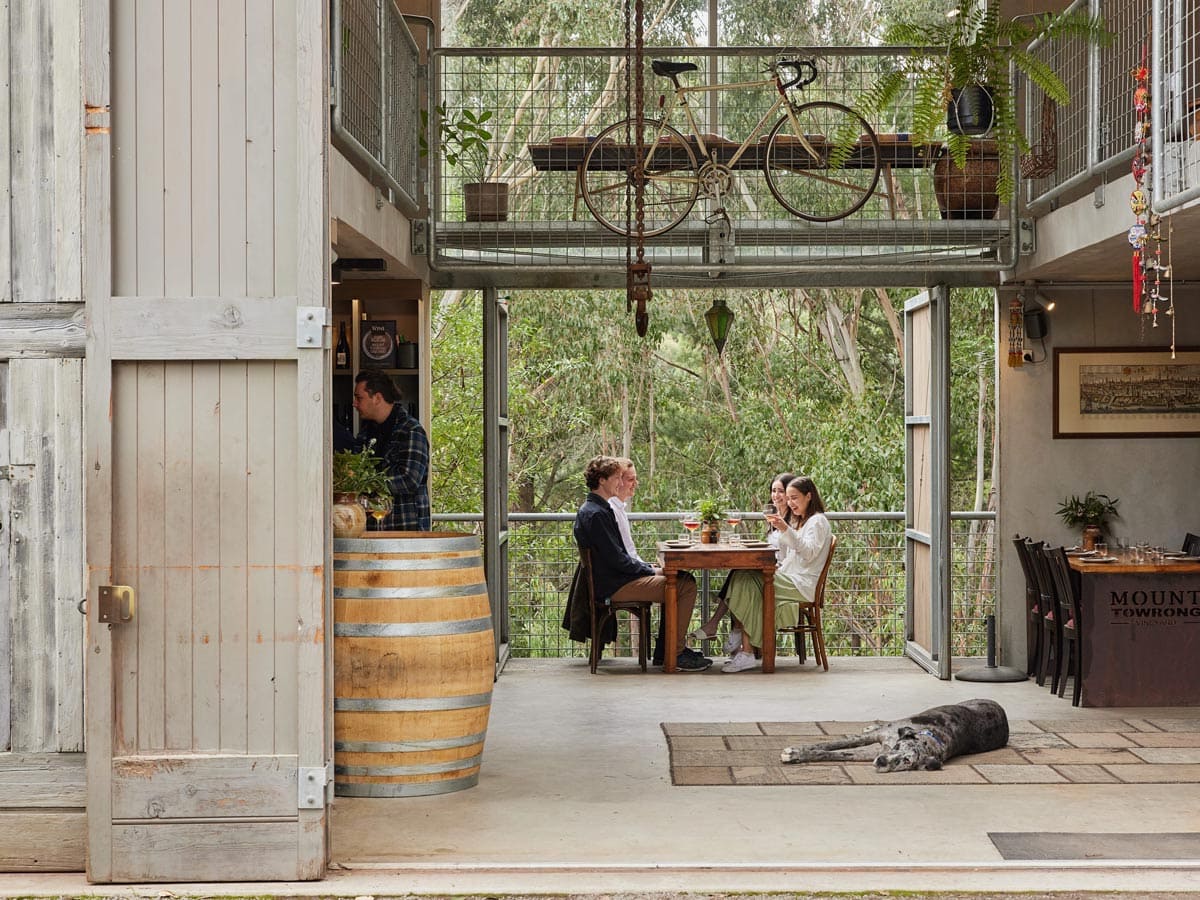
{"type": "Point", "coordinates": [1154, 750]}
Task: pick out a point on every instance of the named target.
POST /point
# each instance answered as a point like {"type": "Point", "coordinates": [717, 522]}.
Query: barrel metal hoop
{"type": "Point", "coordinates": [409, 746]}
{"type": "Point", "coordinates": [401, 564]}
{"type": "Point", "coordinates": [411, 629]}
{"type": "Point", "coordinates": [409, 593]}
{"type": "Point", "coordinates": [423, 789]}
{"type": "Point", "coordinates": [463, 543]}
{"type": "Point", "coordinates": [410, 704]}
{"type": "Point", "coordinates": [453, 765]}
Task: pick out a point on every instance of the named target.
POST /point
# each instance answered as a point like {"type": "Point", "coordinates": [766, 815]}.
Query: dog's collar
{"type": "Point", "coordinates": [927, 733]}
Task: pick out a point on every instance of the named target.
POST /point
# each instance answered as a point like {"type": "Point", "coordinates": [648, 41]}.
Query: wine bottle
{"type": "Point", "coordinates": [341, 354]}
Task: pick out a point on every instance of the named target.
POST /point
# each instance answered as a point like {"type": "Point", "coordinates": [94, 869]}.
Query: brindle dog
{"type": "Point", "coordinates": [924, 741]}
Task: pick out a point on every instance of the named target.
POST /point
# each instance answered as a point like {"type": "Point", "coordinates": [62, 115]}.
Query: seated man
{"type": "Point", "coordinates": [621, 576]}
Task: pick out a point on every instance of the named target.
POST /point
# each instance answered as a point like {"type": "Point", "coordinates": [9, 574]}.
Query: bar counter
{"type": "Point", "coordinates": [1140, 632]}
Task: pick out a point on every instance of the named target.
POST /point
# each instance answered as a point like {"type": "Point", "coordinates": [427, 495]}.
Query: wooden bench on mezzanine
{"type": "Point", "coordinates": [896, 151]}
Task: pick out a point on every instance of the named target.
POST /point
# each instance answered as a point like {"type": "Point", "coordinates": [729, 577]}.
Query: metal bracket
{"type": "Point", "coordinates": [310, 327]}
{"type": "Point", "coordinates": [420, 237]}
{"type": "Point", "coordinates": [17, 471]}
{"type": "Point", "coordinates": [118, 604]}
{"type": "Point", "coordinates": [721, 247]}
{"type": "Point", "coordinates": [310, 785]}
{"type": "Point", "coordinates": [1027, 244]}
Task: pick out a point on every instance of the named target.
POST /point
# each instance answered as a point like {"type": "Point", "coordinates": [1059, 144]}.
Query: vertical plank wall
{"type": "Point", "coordinates": [42, 823]}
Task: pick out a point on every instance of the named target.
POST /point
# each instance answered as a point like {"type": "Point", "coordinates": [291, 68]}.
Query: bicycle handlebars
{"type": "Point", "coordinates": [798, 66]}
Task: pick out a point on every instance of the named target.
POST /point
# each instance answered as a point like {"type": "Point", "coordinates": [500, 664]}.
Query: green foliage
{"type": "Point", "coordinates": [974, 45]}
{"type": "Point", "coordinates": [710, 510]}
{"type": "Point", "coordinates": [462, 137]}
{"type": "Point", "coordinates": [360, 472]}
{"type": "Point", "coordinates": [1091, 509]}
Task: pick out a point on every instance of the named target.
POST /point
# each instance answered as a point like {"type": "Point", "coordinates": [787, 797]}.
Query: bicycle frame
{"type": "Point", "coordinates": [781, 102]}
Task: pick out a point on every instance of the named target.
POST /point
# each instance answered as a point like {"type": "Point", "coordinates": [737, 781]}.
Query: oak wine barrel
{"type": "Point", "coordinates": [414, 661]}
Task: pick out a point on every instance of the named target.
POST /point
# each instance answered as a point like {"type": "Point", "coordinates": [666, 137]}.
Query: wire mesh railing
{"type": "Point", "coordinates": [1095, 133]}
{"type": "Point", "coordinates": [547, 107]}
{"type": "Point", "coordinates": [376, 92]}
{"type": "Point", "coordinates": [864, 597]}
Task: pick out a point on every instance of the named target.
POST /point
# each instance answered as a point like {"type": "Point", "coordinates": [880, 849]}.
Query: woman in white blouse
{"type": "Point", "coordinates": [804, 545]}
{"type": "Point", "coordinates": [708, 630]}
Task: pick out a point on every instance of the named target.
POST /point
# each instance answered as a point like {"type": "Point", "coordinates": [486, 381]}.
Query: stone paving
{"type": "Point", "coordinates": [1040, 751]}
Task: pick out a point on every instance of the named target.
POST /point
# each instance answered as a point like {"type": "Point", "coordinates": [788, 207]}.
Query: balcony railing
{"type": "Point", "coordinates": [864, 598]}
{"type": "Point", "coordinates": [376, 95]}
{"type": "Point", "coordinates": [547, 103]}
{"type": "Point", "coordinates": [1095, 132]}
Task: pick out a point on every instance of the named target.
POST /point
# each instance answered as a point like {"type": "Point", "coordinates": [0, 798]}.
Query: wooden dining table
{"type": "Point", "coordinates": [1140, 631]}
{"type": "Point", "coordinates": [675, 559]}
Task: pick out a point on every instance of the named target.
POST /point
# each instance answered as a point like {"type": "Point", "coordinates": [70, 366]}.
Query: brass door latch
{"type": "Point", "coordinates": [117, 604]}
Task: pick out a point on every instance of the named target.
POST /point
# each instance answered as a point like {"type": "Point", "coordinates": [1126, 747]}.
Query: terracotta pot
{"type": "Point", "coordinates": [709, 534]}
{"type": "Point", "coordinates": [485, 201]}
{"type": "Point", "coordinates": [969, 192]}
{"type": "Point", "coordinates": [1091, 534]}
{"type": "Point", "coordinates": [349, 517]}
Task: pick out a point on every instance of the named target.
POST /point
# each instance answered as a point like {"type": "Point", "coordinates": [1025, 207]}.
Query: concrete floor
{"type": "Point", "coordinates": [575, 790]}
{"type": "Point", "coordinates": [575, 797]}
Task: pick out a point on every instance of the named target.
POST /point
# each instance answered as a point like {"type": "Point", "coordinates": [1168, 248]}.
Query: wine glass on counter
{"type": "Point", "coordinates": [690, 521]}
{"type": "Point", "coordinates": [378, 506]}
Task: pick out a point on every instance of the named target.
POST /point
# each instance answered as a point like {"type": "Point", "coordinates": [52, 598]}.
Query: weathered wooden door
{"type": "Point", "coordinates": [926, 476]}
{"type": "Point", "coordinates": [206, 441]}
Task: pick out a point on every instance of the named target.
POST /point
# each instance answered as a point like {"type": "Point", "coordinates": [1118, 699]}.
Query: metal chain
{"type": "Point", "coordinates": [639, 272]}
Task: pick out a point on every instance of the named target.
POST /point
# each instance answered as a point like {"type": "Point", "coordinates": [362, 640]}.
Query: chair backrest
{"type": "Point", "coordinates": [1191, 544]}
{"type": "Point", "coordinates": [585, 562]}
{"type": "Point", "coordinates": [1022, 545]}
{"type": "Point", "coordinates": [1060, 572]}
{"type": "Point", "coordinates": [819, 593]}
{"type": "Point", "coordinates": [1045, 581]}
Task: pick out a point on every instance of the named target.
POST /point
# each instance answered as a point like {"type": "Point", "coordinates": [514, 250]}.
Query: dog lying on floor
{"type": "Point", "coordinates": [923, 741]}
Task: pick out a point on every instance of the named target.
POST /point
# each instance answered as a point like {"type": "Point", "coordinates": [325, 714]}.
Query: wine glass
{"type": "Point", "coordinates": [733, 518]}
{"type": "Point", "coordinates": [690, 521]}
{"type": "Point", "coordinates": [378, 506]}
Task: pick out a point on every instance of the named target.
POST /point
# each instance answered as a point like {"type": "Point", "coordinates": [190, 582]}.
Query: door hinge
{"type": "Point", "coordinates": [310, 327]}
{"type": "Point", "coordinates": [22, 471]}
{"type": "Point", "coordinates": [310, 785]}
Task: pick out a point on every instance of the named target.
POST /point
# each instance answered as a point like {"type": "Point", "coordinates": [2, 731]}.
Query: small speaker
{"type": "Point", "coordinates": [1035, 324]}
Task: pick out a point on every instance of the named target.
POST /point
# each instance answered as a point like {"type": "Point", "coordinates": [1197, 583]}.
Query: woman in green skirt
{"type": "Point", "coordinates": [804, 545]}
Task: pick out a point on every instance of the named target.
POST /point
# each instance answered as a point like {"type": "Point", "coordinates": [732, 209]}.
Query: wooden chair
{"type": "Point", "coordinates": [1033, 611]}
{"type": "Point", "coordinates": [1069, 606]}
{"type": "Point", "coordinates": [810, 617]}
{"type": "Point", "coordinates": [1050, 659]}
{"type": "Point", "coordinates": [605, 608]}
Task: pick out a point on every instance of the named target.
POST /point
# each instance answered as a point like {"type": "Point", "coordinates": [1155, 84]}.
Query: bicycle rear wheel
{"type": "Point", "coordinates": [609, 172]}
{"type": "Point", "coordinates": [825, 165]}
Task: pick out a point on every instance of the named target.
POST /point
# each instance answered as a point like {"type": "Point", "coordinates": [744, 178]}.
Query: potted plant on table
{"type": "Point", "coordinates": [1091, 511]}
{"type": "Point", "coordinates": [962, 90]}
{"type": "Point", "coordinates": [356, 474]}
{"type": "Point", "coordinates": [464, 137]}
{"type": "Point", "coordinates": [711, 515]}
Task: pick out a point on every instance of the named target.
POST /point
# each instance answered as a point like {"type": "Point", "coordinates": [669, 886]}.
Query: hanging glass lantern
{"type": "Point", "coordinates": [719, 318]}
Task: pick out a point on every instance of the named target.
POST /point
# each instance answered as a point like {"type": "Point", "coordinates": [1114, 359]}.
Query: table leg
{"type": "Point", "coordinates": [670, 614]}
{"type": "Point", "coordinates": [768, 638]}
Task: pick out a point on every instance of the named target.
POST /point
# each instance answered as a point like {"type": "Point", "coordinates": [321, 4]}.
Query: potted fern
{"type": "Point", "coordinates": [962, 88]}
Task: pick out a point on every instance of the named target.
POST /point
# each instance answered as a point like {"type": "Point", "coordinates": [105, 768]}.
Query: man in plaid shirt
{"type": "Point", "coordinates": [401, 441]}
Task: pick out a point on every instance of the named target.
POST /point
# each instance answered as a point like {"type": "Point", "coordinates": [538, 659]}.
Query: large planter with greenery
{"type": "Point", "coordinates": [463, 136]}
{"type": "Point", "coordinates": [1090, 511]}
{"type": "Point", "coordinates": [971, 48]}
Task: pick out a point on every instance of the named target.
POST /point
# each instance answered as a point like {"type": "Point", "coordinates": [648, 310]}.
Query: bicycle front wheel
{"type": "Point", "coordinates": [822, 161]}
{"type": "Point", "coordinates": [611, 168]}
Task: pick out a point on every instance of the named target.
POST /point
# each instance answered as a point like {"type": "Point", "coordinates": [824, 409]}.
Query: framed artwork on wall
{"type": "Point", "coordinates": [1106, 392]}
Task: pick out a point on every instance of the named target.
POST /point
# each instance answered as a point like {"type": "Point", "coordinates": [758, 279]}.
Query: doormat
{"type": "Point", "coordinates": [1153, 750]}
{"type": "Point", "coordinates": [1075, 845]}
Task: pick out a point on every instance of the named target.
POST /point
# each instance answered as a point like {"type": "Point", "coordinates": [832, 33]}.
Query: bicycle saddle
{"type": "Point", "coordinates": [671, 69]}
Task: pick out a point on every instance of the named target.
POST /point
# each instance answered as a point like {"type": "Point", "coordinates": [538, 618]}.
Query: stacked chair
{"type": "Point", "coordinates": [1033, 610]}
{"type": "Point", "coordinates": [1070, 661]}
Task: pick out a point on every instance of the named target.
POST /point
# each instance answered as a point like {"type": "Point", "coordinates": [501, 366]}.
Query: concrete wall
{"type": "Point", "coordinates": [1154, 478]}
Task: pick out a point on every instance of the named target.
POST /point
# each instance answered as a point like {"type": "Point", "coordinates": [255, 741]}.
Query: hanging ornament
{"type": "Point", "coordinates": [1016, 333]}
{"type": "Point", "coordinates": [1143, 231]}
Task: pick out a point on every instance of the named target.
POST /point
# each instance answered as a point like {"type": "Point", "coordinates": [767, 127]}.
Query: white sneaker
{"type": "Point", "coordinates": [734, 642]}
{"type": "Point", "coordinates": [741, 662]}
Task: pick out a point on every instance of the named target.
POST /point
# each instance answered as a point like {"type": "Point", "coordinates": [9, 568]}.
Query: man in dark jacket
{"type": "Point", "coordinates": [620, 576]}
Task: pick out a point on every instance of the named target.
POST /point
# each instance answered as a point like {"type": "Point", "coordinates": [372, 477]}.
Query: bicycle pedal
{"type": "Point", "coordinates": [717, 215]}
